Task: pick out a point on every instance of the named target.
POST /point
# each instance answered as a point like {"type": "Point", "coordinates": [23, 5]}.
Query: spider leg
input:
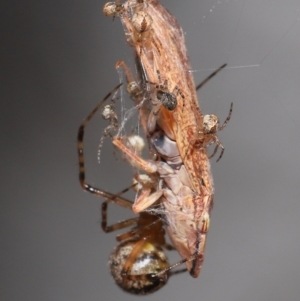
{"type": "Point", "coordinates": [210, 77]}
{"type": "Point", "coordinates": [178, 91]}
{"type": "Point", "coordinates": [158, 76]}
{"type": "Point", "coordinates": [136, 250]}
{"type": "Point", "coordinates": [222, 151]}
{"type": "Point", "coordinates": [227, 119]}
{"type": "Point", "coordinates": [214, 152]}
{"type": "Point", "coordinates": [196, 259]}
{"type": "Point", "coordinates": [214, 139]}
{"type": "Point", "coordinates": [80, 137]}
{"type": "Point", "coordinates": [118, 225]}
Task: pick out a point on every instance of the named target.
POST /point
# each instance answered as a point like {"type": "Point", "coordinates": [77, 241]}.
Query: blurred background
{"type": "Point", "coordinates": [57, 62]}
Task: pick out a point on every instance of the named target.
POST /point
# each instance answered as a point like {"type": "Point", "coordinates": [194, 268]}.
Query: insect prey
{"type": "Point", "coordinates": [176, 128]}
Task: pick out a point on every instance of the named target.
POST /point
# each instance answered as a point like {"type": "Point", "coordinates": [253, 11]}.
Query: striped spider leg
{"type": "Point", "coordinates": [80, 136]}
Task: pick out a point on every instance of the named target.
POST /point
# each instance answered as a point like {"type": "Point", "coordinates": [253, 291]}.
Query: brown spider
{"type": "Point", "coordinates": [139, 257]}
{"type": "Point", "coordinates": [112, 9]}
{"type": "Point", "coordinates": [210, 127]}
{"type": "Point", "coordinates": [138, 264]}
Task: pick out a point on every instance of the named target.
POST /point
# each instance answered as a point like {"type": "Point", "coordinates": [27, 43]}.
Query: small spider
{"type": "Point", "coordinates": [112, 9]}
{"type": "Point", "coordinates": [210, 122]}
{"type": "Point", "coordinates": [164, 96]}
{"type": "Point", "coordinates": [210, 127]}
{"type": "Point", "coordinates": [108, 113]}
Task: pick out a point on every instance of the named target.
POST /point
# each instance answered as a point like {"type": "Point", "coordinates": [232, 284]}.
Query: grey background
{"type": "Point", "coordinates": [57, 61]}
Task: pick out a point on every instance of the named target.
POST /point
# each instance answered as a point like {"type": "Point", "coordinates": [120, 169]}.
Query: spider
{"type": "Point", "coordinates": [210, 127]}
{"type": "Point", "coordinates": [210, 122]}
{"type": "Point", "coordinates": [139, 256]}
{"type": "Point", "coordinates": [112, 9]}
{"type": "Point", "coordinates": [164, 96]}
{"type": "Point", "coordinates": [138, 264]}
